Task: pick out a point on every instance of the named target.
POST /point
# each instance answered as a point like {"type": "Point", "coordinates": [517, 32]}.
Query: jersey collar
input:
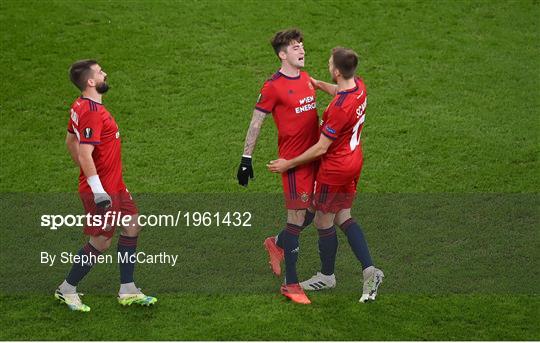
{"type": "Point", "coordinates": [350, 90]}
{"type": "Point", "coordinates": [289, 77]}
{"type": "Point", "coordinates": [82, 97]}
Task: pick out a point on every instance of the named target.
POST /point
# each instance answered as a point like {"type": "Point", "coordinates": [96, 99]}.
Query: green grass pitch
{"type": "Point", "coordinates": [449, 191]}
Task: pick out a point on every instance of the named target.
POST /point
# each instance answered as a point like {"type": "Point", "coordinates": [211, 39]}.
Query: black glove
{"type": "Point", "coordinates": [245, 171]}
{"type": "Point", "coordinates": [103, 202]}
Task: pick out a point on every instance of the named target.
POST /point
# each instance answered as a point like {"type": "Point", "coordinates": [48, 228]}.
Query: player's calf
{"type": "Point", "coordinates": [357, 241]}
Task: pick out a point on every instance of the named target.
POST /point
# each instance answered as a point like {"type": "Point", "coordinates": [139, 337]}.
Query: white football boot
{"type": "Point", "coordinates": [319, 282]}
{"type": "Point", "coordinates": [72, 300]}
{"type": "Point", "coordinates": [373, 278]}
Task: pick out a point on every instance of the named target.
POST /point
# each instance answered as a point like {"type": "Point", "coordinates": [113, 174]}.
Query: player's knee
{"type": "Point", "coordinates": [319, 223]}
{"type": "Point", "coordinates": [296, 217]}
{"type": "Point", "coordinates": [101, 243]}
{"type": "Point", "coordinates": [323, 221]}
{"type": "Point", "coordinates": [131, 231]}
{"type": "Point", "coordinates": [342, 216]}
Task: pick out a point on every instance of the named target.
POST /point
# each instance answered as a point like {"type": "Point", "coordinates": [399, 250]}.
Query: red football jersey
{"type": "Point", "coordinates": [342, 122]}
{"type": "Point", "coordinates": [93, 124]}
{"type": "Point", "coordinates": [292, 102]}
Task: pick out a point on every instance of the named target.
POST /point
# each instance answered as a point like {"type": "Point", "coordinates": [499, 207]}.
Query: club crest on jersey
{"type": "Point", "coordinates": [304, 197]}
{"type": "Point", "coordinates": [88, 133]}
{"type": "Point", "coordinates": [310, 85]}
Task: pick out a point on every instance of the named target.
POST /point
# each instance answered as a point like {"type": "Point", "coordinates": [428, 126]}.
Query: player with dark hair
{"type": "Point", "coordinates": [93, 140]}
{"type": "Point", "coordinates": [290, 97]}
{"type": "Point", "coordinates": [340, 151]}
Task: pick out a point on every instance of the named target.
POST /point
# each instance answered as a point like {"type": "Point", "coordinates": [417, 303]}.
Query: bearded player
{"type": "Point", "coordinates": [290, 97]}
{"type": "Point", "coordinates": [93, 140]}
{"type": "Point", "coordinates": [340, 151]}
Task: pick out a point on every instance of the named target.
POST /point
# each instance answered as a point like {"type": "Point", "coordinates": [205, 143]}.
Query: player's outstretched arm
{"type": "Point", "coordinates": [324, 86]}
{"type": "Point", "coordinates": [72, 144]}
{"type": "Point", "coordinates": [254, 130]}
{"type": "Point", "coordinates": [320, 148]}
{"type": "Point", "coordinates": [101, 198]}
{"type": "Point", "coordinates": [245, 170]}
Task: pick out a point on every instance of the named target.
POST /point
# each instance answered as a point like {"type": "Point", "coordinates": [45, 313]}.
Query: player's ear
{"type": "Point", "coordinates": [90, 83]}
{"type": "Point", "coordinates": [336, 73]}
{"type": "Point", "coordinates": [282, 55]}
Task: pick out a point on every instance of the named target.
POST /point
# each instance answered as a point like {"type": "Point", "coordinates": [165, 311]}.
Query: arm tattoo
{"type": "Point", "coordinates": [253, 131]}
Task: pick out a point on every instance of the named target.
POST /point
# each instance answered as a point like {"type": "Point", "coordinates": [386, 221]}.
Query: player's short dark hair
{"type": "Point", "coordinates": [80, 72]}
{"type": "Point", "coordinates": [284, 38]}
{"type": "Point", "coordinates": [345, 60]}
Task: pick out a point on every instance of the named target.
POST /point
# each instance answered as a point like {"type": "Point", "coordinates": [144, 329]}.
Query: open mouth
{"type": "Point", "coordinates": [300, 58]}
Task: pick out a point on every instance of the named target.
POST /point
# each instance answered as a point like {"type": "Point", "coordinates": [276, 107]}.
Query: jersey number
{"type": "Point", "coordinates": [355, 138]}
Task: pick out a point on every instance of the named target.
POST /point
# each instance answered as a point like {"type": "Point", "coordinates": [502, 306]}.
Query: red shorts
{"type": "Point", "coordinates": [298, 186]}
{"type": "Point", "coordinates": [122, 205]}
{"type": "Point", "coordinates": [331, 198]}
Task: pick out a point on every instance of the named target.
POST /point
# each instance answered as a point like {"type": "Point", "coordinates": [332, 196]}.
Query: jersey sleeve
{"type": "Point", "coordinates": [89, 128]}
{"type": "Point", "coordinates": [70, 126]}
{"type": "Point", "coordinates": [267, 98]}
{"type": "Point", "coordinates": [335, 123]}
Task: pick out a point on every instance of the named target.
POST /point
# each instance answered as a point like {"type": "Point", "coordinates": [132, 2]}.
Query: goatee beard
{"type": "Point", "coordinates": [102, 88]}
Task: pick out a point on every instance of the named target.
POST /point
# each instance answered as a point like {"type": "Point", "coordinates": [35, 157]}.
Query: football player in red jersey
{"type": "Point", "coordinates": [93, 140]}
{"type": "Point", "coordinates": [340, 151]}
{"type": "Point", "coordinates": [290, 97]}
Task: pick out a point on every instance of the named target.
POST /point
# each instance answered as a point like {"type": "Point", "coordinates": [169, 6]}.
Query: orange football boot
{"type": "Point", "coordinates": [295, 292]}
{"type": "Point", "coordinates": [275, 253]}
